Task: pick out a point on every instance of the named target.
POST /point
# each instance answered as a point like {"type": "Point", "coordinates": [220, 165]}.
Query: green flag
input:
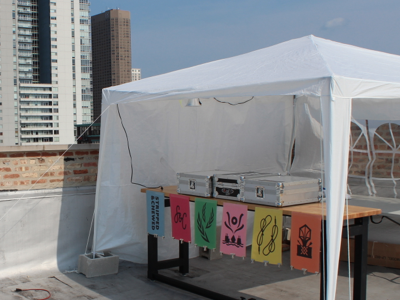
{"type": "Point", "coordinates": [205, 223]}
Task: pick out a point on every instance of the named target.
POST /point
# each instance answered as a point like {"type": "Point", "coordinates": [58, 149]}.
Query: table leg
{"type": "Point", "coordinates": [184, 258]}
{"type": "Point", "coordinates": [360, 260]}
{"type": "Point", "coordinates": [152, 256]}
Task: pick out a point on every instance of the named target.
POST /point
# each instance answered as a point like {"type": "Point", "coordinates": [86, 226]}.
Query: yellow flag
{"type": "Point", "coordinates": [267, 236]}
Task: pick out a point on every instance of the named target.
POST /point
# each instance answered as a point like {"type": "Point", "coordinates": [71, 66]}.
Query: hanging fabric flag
{"type": "Point", "coordinates": [155, 213]}
{"type": "Point", "coordinates": [205, 223]}
{"type": "Point", "coordinates": [233, 229]}
{"type": "Point", "coordinates": [180, 216]}
{"type": "Point", "coordinates": [267, 236]}
{"type": "Point", "coordinates": [305, 242]}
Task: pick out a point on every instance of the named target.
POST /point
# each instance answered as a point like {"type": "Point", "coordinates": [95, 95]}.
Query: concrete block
{"type": "Point", "coordinates": [209, 253]}
{"type": "Point", "coordinates": [106, 264]}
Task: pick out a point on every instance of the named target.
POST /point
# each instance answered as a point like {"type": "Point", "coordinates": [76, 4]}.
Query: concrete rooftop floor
{"type": "Point", "coordinates": [233, 277]}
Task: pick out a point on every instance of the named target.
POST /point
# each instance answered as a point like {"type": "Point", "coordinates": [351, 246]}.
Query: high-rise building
{"type": "Point", "coordinates": [111, 50]}
{"type": "Point", "coordinates": [45, 70]}
{"type": "Point", "coordinates": [136, 74]}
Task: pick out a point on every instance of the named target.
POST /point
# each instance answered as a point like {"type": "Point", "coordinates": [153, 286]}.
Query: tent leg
{"type": "Point", "coordinates": [323, 263]}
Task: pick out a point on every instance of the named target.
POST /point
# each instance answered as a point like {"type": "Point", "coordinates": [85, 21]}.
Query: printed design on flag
{"type": "Point", "coordinates": [305, 242]}
{"type": "Point", "coordinates": [304, 248]}
{"type": "Point", "coordinates": [201, 221]}
{"type": "Point", "coordinates": [234, 225]}
{"type": "Point", "coordinates": [155, 212]}
{"type": "Point", "coordinates": [267, 236]}
{"type": "Point", "coordinates": [180, 218]}
{"type": "Point", "coordinates": [270, 247]}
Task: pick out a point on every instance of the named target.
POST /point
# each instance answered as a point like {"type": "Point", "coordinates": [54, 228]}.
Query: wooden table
{"type": "Point", "coordinates": [359, 230]}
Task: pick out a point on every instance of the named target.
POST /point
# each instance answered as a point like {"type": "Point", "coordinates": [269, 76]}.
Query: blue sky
{"type": "Point", "coordinates": [168, 35]}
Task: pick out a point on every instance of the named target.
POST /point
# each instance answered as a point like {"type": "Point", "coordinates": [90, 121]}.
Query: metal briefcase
{"type": "Point", "coordinates": [282, 190]}
{"type": "Point", "coordinates": [231, 186]}
{"type": "Point", "coordinates": [197, 183]}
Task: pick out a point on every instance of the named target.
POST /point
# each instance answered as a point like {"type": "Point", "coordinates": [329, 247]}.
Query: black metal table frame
{"type": "Point", "coordinates": [359, 230]}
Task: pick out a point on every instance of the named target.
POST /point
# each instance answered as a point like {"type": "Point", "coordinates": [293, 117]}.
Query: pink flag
{"type": "Point", "coordinates": [233, 229]}
{"type": "Point", "coordinates": [180, 217]}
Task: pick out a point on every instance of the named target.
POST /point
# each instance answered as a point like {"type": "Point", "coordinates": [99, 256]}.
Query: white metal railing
{"type": "Point", "coordinates": [24, 54]}
{"type": "Point", "coordinates": [24, 18]}
{"type": "Point", "coordinates": [25, 3]}
{"type": "Point", "coordinates": [25, 40]}
{"type": "Point", "coordinates": [24, 32]}
{"type": "Point", "coordinates": [25, 47]}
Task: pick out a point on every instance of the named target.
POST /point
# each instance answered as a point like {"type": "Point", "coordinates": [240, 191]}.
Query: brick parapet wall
{"type": "Point", "coordinates": [383, 163]}
{"type": "Point", "coordinates": [42, 167]}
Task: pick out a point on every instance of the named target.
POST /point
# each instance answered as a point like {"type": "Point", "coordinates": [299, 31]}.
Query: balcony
{"type": "Point", "coordinates": [25, 47]}
{"type": "Point", "coordinates": [35, 135]}
{"type": "Point", "coordinates": [25, 62]}
{"type": "Point", "coordinates": [24, 25]}
{"type": "Point", "coordinates": [25, 76]}
{"type": "Point", "coordinates": [25, 32]}
{"type": "Point", "coordinates": [35, 113]}
{"type": "Point", "coordinates": [24, 3]}
{"type": "Point", "coordinates": [22, 121]}
{"type": "Point", "coordinates": [24, 18]}
{"type": "Point", "coordinates": [25, 54]}
{"type": "Point", "coordinates": [25, 40]}
{"type": "Point", "coordinates": [25, 70]}
{"type": "Point", "coordinates": [34, 105]}
{"type": "Point", "coordinates": [24, 10]}
{"type": "Point", "coordinates": [48, 127]}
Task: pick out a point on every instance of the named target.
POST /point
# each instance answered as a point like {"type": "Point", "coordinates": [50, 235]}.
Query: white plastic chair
{"type": "Point", "coordinates": [393, 149]}
{"type": "Point", "coordinates": [353, 148]}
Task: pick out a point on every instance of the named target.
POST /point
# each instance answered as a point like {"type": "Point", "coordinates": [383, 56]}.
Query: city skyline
{"type": "Point", "coordinates": [170, 35]}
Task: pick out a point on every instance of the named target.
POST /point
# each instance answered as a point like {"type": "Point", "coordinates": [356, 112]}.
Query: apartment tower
{"type": "Point", "coordinates": [136, 74]}
{"type": "Point", "coordinates": [45, 70]}
{"type": "Point", "coordinates": [111, 50]}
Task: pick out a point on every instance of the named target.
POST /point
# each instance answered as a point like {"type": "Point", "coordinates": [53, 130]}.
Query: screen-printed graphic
{"type": "Point", "coordinates": [155, 213]}
{"type": "Point", "coordinates": [267, 236]}
{"type": "Point", "coordinates": [305, 243]}
{"type": "Point", "coordinates": [180, 217]}
{"type": "Point", "coordinates": [233, 229]}
{"type": "Point", "coordinates": [205, 223]}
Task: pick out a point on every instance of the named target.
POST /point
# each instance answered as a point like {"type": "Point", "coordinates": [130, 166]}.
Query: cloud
{"type": "Point", "coordinates": [337, 22]}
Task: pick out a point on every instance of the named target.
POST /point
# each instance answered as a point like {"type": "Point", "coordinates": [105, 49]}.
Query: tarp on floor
{"type": "Point", "coordinates": [302, 89]}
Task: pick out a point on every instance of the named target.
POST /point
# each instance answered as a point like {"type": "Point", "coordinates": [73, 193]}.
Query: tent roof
{"type": "Point", "coordinates": [304, 59]}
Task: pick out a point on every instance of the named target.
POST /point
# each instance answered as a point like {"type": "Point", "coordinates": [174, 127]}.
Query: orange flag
{"type": "Point", "coordinates": [305, 242]}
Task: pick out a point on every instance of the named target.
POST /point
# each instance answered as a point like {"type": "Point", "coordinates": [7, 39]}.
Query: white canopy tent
{"type": "Point", "coordinates": [303, 89]}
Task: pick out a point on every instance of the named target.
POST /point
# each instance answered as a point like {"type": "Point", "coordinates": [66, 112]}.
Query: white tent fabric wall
{"type": "Point", "coordinates": [308, 134]}
{"type": "Point", "coordinates": [166, 138]}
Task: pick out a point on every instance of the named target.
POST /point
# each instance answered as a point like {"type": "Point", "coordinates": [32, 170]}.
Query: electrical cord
{"type": "Point", "coordinates": [233, 104]}
{"type": "Point", "coordinates": [380, 221]}
{"type": "Point", "coordinates": [130, 155]}
{"type": "Point", "coordinates": [22, 290]}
